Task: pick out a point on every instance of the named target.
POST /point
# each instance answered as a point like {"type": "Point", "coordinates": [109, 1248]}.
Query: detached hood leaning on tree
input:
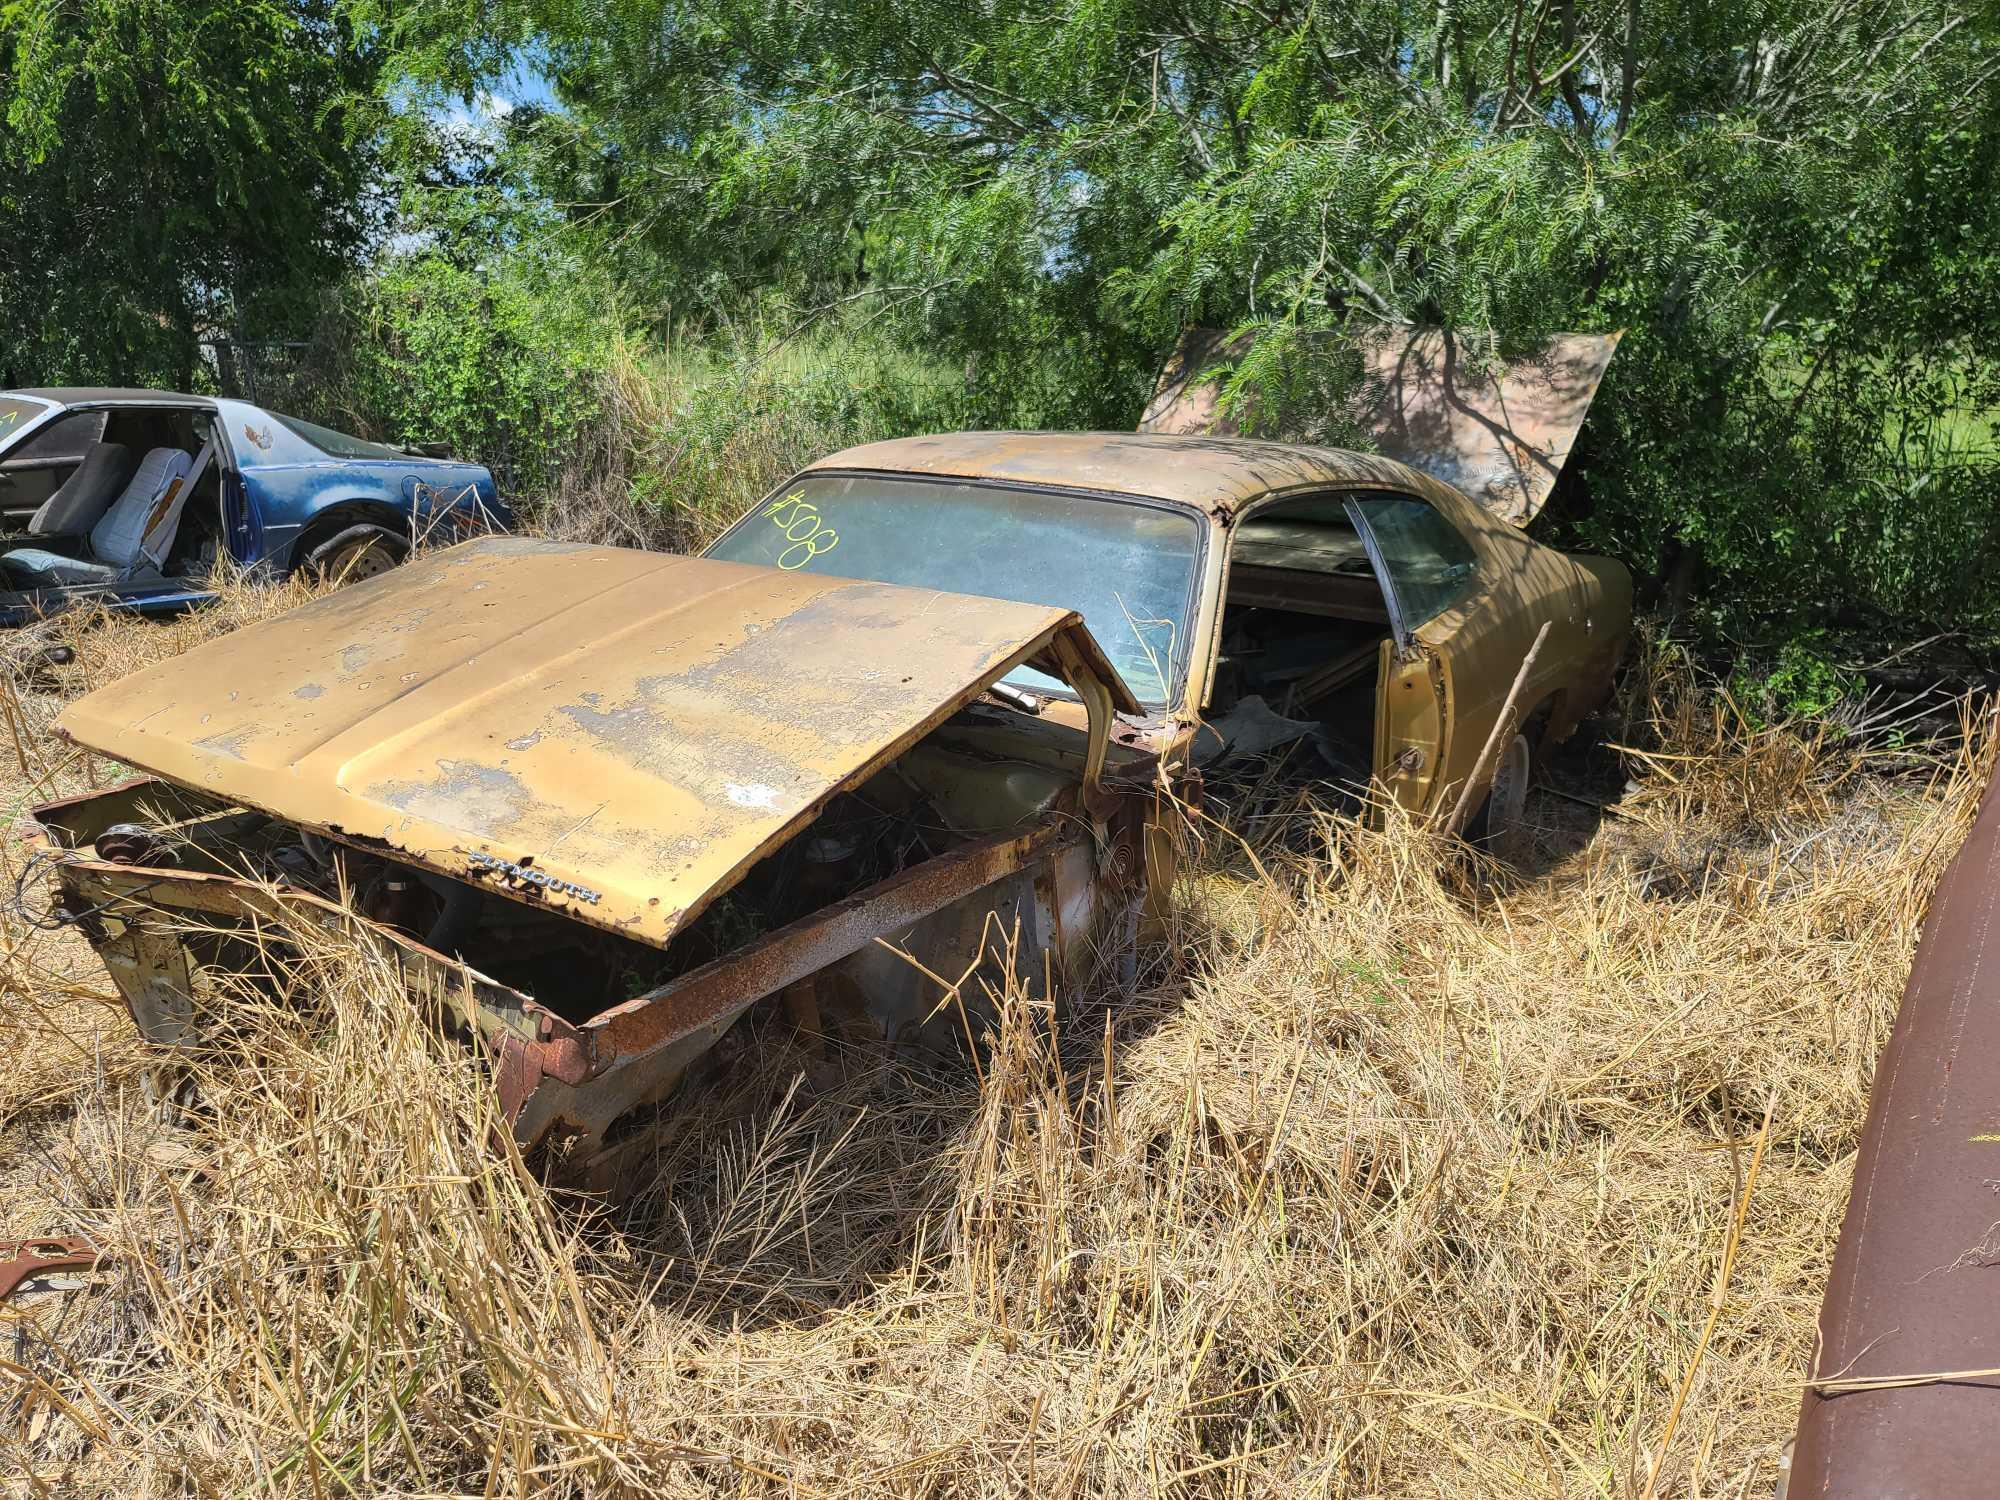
{"type": "Point", "coordinates": [1499, 435]}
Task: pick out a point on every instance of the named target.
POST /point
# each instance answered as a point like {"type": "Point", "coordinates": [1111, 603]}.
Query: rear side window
{"type": "Point", "coordinates": [1430, 565]}
{"type": "Point", "coordinates": [67, 437]}
{"type": "Point", "coordinates": [338, 444]}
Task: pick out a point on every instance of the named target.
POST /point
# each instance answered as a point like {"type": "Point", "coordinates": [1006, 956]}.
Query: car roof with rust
{"type": "Point", "coordinates": [1222, 473]}
{"type": "Point", "coordinates": [83, 395]}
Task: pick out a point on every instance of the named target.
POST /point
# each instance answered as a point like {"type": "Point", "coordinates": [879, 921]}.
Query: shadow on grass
{"type": "Point", "coordinates": [795, 1176]}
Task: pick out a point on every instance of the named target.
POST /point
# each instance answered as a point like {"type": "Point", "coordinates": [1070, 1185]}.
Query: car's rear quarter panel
{"type": "Point", "coordinates": [1484, 641]}
{"type": "Point", "coordinates": [298, 493]}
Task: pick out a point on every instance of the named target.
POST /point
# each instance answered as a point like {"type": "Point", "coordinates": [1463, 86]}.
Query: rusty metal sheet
{"type": "Point", "coordinates": [1912, 1291]}
{"type": "Point", "coordinates": [637, 1052]}
{"type": "Point", "coordinates": [616, 734]}
{"type": "Point", "coordinates": [23, 1260]}
{"type": "Point", "coordinates": [1502, 438]}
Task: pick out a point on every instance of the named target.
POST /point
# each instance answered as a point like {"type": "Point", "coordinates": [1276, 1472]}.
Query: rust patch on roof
{"type": "Point", "coordinates": [1216, 473]}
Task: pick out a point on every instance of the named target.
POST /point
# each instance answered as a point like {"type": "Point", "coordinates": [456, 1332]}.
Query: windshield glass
{"type": "Point", "coordinates": [1127, 567]}
{"type": "Point", "coordinates": [16, 412]}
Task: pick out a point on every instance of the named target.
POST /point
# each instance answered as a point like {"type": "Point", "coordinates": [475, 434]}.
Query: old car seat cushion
{"type": "Point", "coordinates": [86, 495]}
{"type": "Point", "coordinates": [116, 537]}
{"type": "Point", "coordinates": [34, 568]}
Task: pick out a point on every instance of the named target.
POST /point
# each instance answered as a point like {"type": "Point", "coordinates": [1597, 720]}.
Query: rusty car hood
{"type": "Point", "coordinates": [618, 734]}
{"type": "Point", "coordinates": [1500, 436]}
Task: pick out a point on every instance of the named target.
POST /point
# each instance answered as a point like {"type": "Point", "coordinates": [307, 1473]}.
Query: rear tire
{"type": "Point", "coordinates": [356, 553]}
{"type": "Point", "coordinates": [1500, 827]}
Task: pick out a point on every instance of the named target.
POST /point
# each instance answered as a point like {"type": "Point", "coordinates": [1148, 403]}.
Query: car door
{"type": "Point", "coordinates": [241, 532]}
{"type": "Point", "coordinates": [1431, 579]}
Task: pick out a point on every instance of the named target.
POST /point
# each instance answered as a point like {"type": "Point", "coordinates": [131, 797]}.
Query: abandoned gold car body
{"type": "Point", "coordinates": [1253, 595]}
{"type": "Point", "coordinates": [636, 792]}
{"type": "Point", "coordinates": [603, 802]}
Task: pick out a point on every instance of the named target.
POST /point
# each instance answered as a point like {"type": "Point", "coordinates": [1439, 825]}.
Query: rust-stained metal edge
{"type": "Point", "coordinates": [767, 964]}
{"type": "Point", "coordinates": [23, 1260]}
{"type": "Point", "coordinates": [1911, 1290]}
{"type": "Point", "coordinates": [227, 895]}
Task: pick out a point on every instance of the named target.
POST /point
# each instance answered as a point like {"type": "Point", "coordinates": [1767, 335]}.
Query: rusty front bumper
{"type": "Point", "coordinates": [572, 1081]}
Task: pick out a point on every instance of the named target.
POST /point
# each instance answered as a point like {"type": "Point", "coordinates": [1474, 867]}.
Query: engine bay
{"type": "Point", "coordinates": [989, 770]}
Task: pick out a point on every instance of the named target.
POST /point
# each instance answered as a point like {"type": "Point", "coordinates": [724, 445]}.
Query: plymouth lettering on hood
{"type": "Point", "coordinates": [479, 859]}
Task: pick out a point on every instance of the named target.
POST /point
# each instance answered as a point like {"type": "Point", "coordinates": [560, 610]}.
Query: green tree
{"type": "Point", "coordinates": [168, 169]}
{"type": "Point", "coordinates": [1779, 200]}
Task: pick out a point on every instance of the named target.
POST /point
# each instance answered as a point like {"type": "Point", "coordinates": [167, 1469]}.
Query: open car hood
{"type": "Point", "coordinates": [618, 734]}
{"type": "Point", "coordinates": [1501, 437]}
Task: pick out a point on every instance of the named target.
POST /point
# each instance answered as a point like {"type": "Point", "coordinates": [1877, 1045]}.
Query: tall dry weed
{"type": "Point", "coordinates": [1405, 1177]}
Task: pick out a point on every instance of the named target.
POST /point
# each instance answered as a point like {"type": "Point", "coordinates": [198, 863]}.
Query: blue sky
{"type": "Point", "coordinates": [525, 82]}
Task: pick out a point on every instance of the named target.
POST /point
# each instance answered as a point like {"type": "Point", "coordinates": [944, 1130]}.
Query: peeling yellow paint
{"type": "Point", "coordinates": [619, 734]}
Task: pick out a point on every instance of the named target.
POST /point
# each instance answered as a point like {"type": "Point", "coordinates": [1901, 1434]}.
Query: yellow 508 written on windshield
{"type": "Point", "coordinates": [800, 522]}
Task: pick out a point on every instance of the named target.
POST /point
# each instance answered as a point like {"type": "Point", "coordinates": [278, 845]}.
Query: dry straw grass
{"type": "Point", "coordinates": [1384, 1182]}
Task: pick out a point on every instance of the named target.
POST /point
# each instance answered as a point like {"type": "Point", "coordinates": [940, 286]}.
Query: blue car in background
{"type": "Point", "coordinates": [132, 497]}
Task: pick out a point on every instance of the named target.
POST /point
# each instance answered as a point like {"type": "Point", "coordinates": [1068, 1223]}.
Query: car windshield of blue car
{"type": "Point", "coordinates": [1127, 566]}
{"type": "Point", "coordinates": [339, 444]}
{"type": "Point", "coordinates": [16, 413]}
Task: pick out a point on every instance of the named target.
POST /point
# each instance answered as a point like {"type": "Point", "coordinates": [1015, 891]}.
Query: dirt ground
{"type": "Point", "coordinates": [1391, 1175]}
